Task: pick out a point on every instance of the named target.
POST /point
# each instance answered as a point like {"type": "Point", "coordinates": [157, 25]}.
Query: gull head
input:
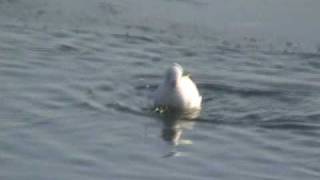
{"type": "Point", "coordinates": [173, 75]}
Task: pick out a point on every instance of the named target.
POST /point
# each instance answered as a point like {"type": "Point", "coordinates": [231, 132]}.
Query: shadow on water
{"type": "Point", "coordinates": [125, 109]}
{"type": "Point", "coordinates": [295, 123]}
{"type": "Point", "coordinates": [302, 124]}
{"type": "Point", "coordinates": [134, 39]}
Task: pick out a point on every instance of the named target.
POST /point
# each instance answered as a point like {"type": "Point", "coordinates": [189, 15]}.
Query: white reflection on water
{"type": "Point", "coordinates": [174, 125]}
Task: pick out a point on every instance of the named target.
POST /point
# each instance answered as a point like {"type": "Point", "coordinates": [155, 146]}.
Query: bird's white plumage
{"type": "Point", "coordinates": [177, 91]}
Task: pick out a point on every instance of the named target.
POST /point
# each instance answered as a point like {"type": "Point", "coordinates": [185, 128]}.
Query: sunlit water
{"type": "Point", "coordinates": [76, 76]}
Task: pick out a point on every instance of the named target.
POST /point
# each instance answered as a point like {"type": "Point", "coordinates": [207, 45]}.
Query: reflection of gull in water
{"type": "Point", "coordinates": [174, 123]}
{"type": "Point", "coordinates": [177, 91]}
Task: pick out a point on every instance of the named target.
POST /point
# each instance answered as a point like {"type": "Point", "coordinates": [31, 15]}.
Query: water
{"type": "Point", "coordinates": [75, 80]}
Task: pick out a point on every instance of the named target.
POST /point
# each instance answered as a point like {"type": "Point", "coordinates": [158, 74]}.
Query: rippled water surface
{"type": "Point", "coordinates": [76, 76]}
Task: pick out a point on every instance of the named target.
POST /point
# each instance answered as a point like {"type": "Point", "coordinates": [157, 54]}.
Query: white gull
{"type": "Point", "coordinates": [177, 91]}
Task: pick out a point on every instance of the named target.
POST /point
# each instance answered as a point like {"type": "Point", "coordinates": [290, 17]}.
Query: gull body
{"type": "Point", "coordinates": [177, 91]}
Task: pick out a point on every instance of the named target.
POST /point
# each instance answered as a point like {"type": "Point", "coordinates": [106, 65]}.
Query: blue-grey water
{"type": "Point", "coordinates": [76, 76]}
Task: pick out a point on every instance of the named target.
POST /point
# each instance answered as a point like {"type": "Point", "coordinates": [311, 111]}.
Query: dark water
{"type": "Point", "coordinates": [75, 78]}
